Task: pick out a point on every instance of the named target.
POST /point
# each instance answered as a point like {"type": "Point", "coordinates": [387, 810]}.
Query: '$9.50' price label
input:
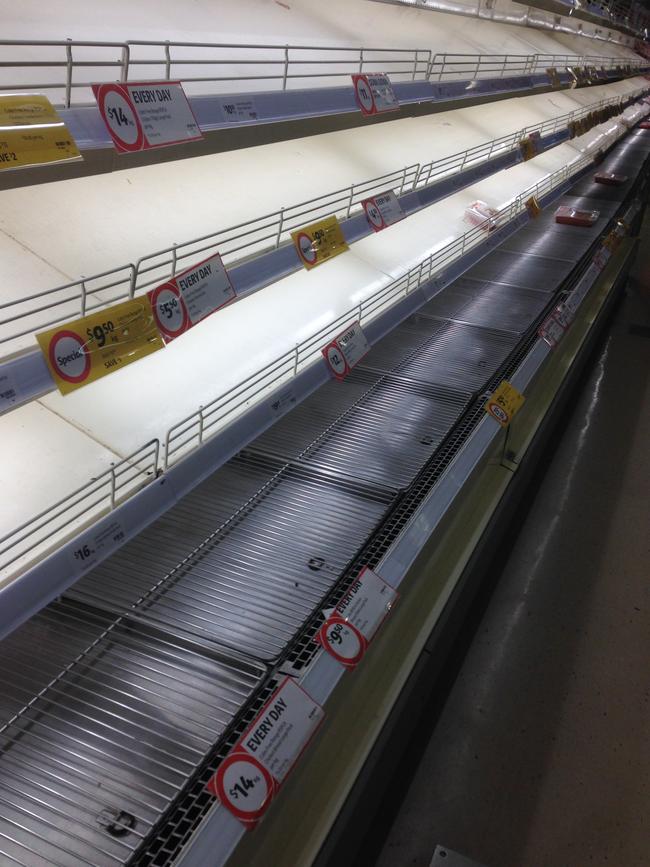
{"type": "Point", "coordinates": [86, 349]}
{"type": "Point", "coordinates": [352, 625]}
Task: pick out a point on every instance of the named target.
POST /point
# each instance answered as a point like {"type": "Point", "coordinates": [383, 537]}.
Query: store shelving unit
{"type": "Point", "coordinates": [246, 505]}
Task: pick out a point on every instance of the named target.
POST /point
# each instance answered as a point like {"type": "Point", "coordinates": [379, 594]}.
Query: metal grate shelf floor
{"type": "Point", "coordinates": [490, 305]}
{"type": "Point", "coordinates": [252, 583]}
{"type": "Point", "coordinates": [105, 724]}
{"type": "Point", "coordinates": [384, 437]}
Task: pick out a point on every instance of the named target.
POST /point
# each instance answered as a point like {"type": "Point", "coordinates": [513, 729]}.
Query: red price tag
{"type": "Point", "coordinates": [249, 777]}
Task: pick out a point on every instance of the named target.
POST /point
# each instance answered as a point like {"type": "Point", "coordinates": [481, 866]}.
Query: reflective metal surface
{"type": "Point", "coordinates": [113, 696]}
{"type": "Point", "coordinates": [531, 272]}
{"type": "Point", "coordinates": [385, 436]}
{"type": "Point", "coordinates": [104, 723]}
{"type": "Point", "coordinates": [256, 578]}
{"type": "Point", "coordinates": [491, 305]}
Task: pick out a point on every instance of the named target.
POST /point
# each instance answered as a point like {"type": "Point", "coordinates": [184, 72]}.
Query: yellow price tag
{"type": "Point", "coordinates": [504, 403]}
{"type": "Point", "coordinates": [528, 147]}
{"type": "Point", "coordinates": [320, 241]}
{"type": "Point", "coordinates": [31, 133]}
{"type": "Point", "coordinates": [554, 78]}
{"type": "Point", "coordinates": [533, 207]}
{"type": "Point", "coordinates": [86, 349]}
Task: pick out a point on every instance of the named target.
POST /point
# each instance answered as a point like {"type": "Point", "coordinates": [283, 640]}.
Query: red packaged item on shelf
{"type": "Point", "coordinates": [611, 179]}
{"type": "Point", "coordinates": [481, 214]}
{"type": "Point", "coordinates": [575, 216]}
{"type": "Point", "coordinates": [645, 124]}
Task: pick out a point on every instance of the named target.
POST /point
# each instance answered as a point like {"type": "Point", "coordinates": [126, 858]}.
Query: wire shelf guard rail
{"type": "Point", "coordinates": [66, 69]}
{"type": "Point", "coordinates": [98, 496]}
{"type": "Point", "coordinates": [190, 432]}
{"type": "Point", "coordinates": [22, 317]}
{"type": "Point", "coordinates": [103, 493]}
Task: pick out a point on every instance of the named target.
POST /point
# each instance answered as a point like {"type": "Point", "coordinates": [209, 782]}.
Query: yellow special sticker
{"type": "Point", "coordinates": [533, 207]}
{"type": "Point", "coordinates": [504, 403]}
{"type": "Point", "coordinates": [32, 133]}
{"type": "Point", "coordinates": [554, 77]}
{"type": "Point", "coordinates": [319, 242]}
{"type": "Point", "coordinates": [86, 349]}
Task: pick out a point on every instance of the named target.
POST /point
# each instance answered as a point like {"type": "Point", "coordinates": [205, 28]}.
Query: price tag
{"type": "Point", "coordinates": [601, 258]}
{"type": "Point", "coordinates": [551, 331]}
{"type": "Point", "coordinates": [581, 289]}
{"type": "Point", "coordinates": [346, 350]}
{"type": "Point", "coordinates": [383, 210]}
{"type": "Point", "coordinates": [86, 349]}
{"type": "Point", "coordinates": [93, 547]}
{"type": "Point", "coordinates": [239, 110]}
{"type": "Point", "coordinates": [533, 207]}
{"type": "Point", "coordinates": [349, 630]}
{"type": "Point", "coordinates": [32, 133]}
{"type": "Point", "coordinates": [319, 242]}
{"type": "Point", "coordinates": [145, 115]}
{"type": "Point", "coordinates": [248, 779]}
{"type": "Point", "coordinates": [374, 93]}
{"type": "Point", "coordinates": [504, 403]}
{"type": "Point", "coordinates": [554, 78]}
{"type": "Point", "coordinates": [9, 392]}
{"type": "Point", "coordinates": [530, 145]}
{"type": "Point", "coordinates": [191, 296]}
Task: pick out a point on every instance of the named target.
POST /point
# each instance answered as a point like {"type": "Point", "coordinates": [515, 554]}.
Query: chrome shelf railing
{"type": "Point", "coordinates": [194, 429]}
{"type": "Point", "coordinates": [66, 69]}
{"type": "Point", "coordinates": [104, 492]}
{"type": "Point", "coordinates": [87, 503]}
{"type": "Point", "coordinates": [37, 311]}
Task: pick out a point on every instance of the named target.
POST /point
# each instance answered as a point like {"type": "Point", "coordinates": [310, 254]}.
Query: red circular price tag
{"type": "Point", "coordinates": [498, 412]}
{"type": "Point", "coordinates": [306, 248]}
{"type": "Point", "coordinates": [363, 93]}
{"type": "Point", "coordinates": [120, 117]}
{"type": "Point", "coordinates": [244, 786]}
{"type": "Point", "coordinates": [343, 641]}
{"type": "Point", "coordinates": [169, 310]}
{"type": "Point", "coordinates": [374, 215]}
{"type": "Point", "coordinates": [336, 361]}
{"type": "Point", "coordinates": [69, 356]}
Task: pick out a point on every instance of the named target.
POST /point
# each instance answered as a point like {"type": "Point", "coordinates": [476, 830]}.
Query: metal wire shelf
{"type": "Point", "coordinates": [103, 724]}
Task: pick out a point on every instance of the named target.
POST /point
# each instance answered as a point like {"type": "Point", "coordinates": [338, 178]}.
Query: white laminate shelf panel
{"type": "Point", "coordinates": [141, 402]}
{"type": "Point", "coordinates": [45, 458]}
{"type": "Point", "coordinates": [306, 22]}
{"type": "Point", "coordinates": [81, 227]}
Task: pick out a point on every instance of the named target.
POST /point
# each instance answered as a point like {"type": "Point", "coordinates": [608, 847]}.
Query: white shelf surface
{"type": "Point", "coordinates": [66, 441]}
{"type": "Point", "coordinates": [54, 233]}
{"type": "Point", "coordinates": [306, 22]}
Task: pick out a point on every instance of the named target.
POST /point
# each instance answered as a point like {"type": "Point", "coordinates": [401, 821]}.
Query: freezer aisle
{"type": "Point", "coordinates": [540, 755]}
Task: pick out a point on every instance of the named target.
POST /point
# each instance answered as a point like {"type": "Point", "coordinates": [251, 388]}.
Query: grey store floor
{"type": "Point", "coordinates": [541, 754]}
